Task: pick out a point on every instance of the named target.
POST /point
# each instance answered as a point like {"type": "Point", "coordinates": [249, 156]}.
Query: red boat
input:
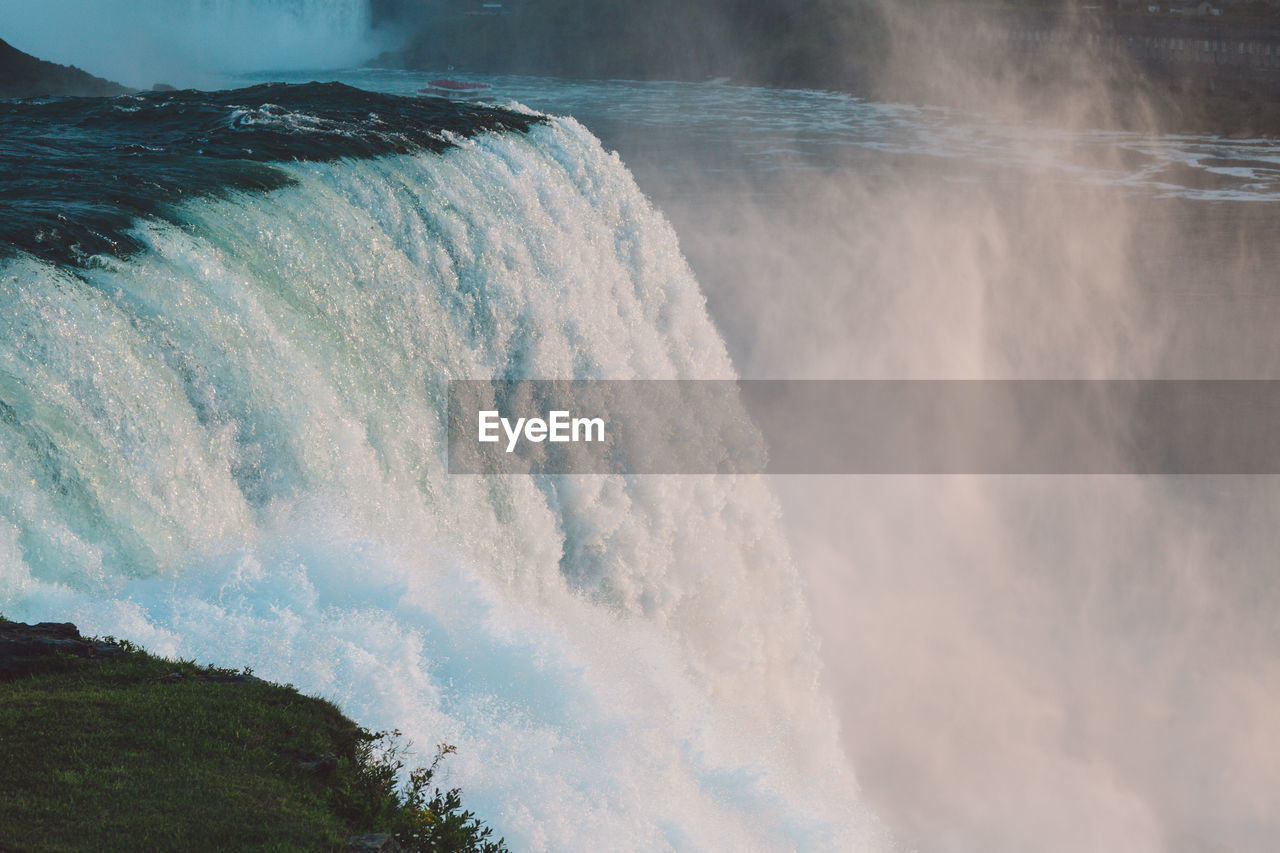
{"type": "Point", "coordinates": [452, 88]}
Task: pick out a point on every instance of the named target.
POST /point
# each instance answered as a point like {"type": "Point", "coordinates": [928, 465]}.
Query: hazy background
{"type": "Point", "coordinates": [1021, 663]}
{"type": "Point", "coordinates": [1047, 663]}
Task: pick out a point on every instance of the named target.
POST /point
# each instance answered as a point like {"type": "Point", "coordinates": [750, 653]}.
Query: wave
{"type": "Point", "coordinates": [228, 444]}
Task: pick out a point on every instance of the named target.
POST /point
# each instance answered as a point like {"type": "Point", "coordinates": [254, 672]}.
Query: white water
{"type": "Point", "coordinates": [231, 447]}
{"type": "Point", "coordinates": [190, 42]}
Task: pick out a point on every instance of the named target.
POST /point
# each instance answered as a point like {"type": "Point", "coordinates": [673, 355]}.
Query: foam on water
{"type": "Point", "coordinates": [230, 447]}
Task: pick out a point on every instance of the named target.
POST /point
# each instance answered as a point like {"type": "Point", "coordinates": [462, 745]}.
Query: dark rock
{"type": "Point", "coordinates": [24, 76]}
{"type": "Point", "coordinates": [376, 841]}
{"type": "Point", "coordinates": [230, 678]}
{"type": "Point", "coordinates": [324, 766]}
{"type": "Point", "coordinates": [163, 87]}
{"type": "Point", "coordinates": [23, 646]}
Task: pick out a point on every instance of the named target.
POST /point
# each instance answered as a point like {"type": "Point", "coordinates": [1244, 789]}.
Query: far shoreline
{"type": "Point", "coordinates": [25, 76]}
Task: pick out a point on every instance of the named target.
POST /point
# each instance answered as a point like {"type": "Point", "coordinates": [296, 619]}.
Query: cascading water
{"type": "Point", "coordinates": [191, 42]}
{"type": "Point", "coordinates": [225, 441]}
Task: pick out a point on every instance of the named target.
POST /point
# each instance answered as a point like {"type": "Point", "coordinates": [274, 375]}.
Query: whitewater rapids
{"type": "Point", "coordinates": [229, 446]}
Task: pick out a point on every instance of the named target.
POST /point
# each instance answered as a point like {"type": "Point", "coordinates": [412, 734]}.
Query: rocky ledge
{"type": "Point", "coordinates": [23, 646]}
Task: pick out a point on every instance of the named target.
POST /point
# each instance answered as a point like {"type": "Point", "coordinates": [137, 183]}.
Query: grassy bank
{"type": "Point", "coordinates": [136, 752]}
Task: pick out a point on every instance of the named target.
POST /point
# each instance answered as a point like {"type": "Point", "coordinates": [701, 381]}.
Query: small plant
{"type": "Point", "coordinates": [437, 821]}
{"type": "Point", "coordinates": [125, 646]}
{"type": "Point", "coordinates": [365, 792]}
{"type": "Point", "coordinates": [423, 818]}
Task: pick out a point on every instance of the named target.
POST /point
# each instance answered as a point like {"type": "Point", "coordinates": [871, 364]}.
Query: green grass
{"type": "Point", "coordinates": [118, 755]}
